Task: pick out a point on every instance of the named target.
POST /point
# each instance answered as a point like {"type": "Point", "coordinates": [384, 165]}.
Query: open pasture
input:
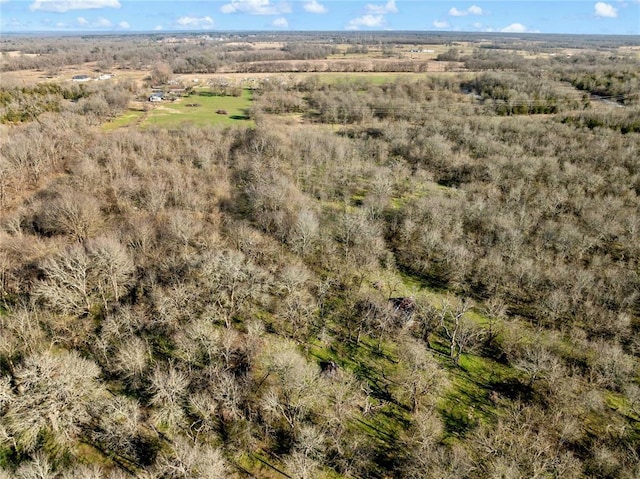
{"type": "Point", "coordinates": [200, 109]}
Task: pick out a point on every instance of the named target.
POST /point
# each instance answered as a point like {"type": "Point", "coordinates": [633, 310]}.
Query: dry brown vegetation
{"type": "Point", "coordinates": [433, 276]}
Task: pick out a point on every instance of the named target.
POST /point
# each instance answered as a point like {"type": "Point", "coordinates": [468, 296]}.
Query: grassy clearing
{"type": "Point", "coordinates": [375, 365]}
{"type": "Point", "coordinates": [476, 385]}
{"type": "Point", "coordinates": [477, 382]}
{"type": "Point", "coordinates": [130, 118]}
{"type": "Point", "coordinates": [477, 388]}
{"type": "Point", "coordinates": [200, 109]}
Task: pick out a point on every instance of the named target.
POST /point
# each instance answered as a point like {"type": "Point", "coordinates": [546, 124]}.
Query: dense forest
{"type": "Point", "coordinates": [429, 276]}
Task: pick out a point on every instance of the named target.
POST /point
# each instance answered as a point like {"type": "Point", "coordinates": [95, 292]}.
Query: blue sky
{"type": "Point", "coordinates": [544, 16]}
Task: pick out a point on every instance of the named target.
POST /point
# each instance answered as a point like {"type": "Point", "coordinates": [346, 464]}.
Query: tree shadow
{"type": "Point", "coordinates": [513, 389]}
{"type": "Point", "coordinates": [243, 116]}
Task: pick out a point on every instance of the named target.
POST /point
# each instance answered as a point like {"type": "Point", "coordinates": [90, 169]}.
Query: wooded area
{"type": "Point", "coordinates": [426, 275]}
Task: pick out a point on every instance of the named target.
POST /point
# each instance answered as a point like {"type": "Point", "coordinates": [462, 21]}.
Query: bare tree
{"type": "Point", "coordinates": [227, 392]}
{"type": "Point", "coordinates": [520, 445]}
{"type": "Point", "coordinates": [79, 276]}
{"type": "Point", "coordinates": [116, 425]}
{"type": "Point", "coordinates": [92, 472]}
{"type": "Point", "coordinates": [161, 73]}
{"type": "Point", "coordinates": [307, 456]}
{"type": "Point", "coordinates": [54, 391]}
{"type": "Point", "coordinates": [610, 365]}
{"type": "Point", "coordinates": [169, 391]}
{"type": "Point", "coordinates": [131, 360]}
{"type": "Point", "coordinates": [70, 213]}
{"type": "Point", "coordinates": [22, 333]}
{"type": "Point", "coordinates": [421, 440]}
{"type": "Point", "coordinates": [111, 268]}
{"type": "Point", "coordinates": [495, 311]}
{"type": "Point", "coordinates": [199, 342]}
{"type": "Point", "coordinates": [39, 467]}
{"type": "Point", "coordinates": [67, 281]}
{"type": "Point", "coordinates": [423, 379]}
{"type": "Point", "coordinates": [427, 319]}
{"type": "Point", "coordinates": [298, 310]}
{"type": "Point", "coordinates": [538, 362]}
{"type": "Point", "coordinates": [633, 396]}
{"type": "Point", "coordinates": [360, 238]}
{"type": "Point", "coordinates": [291, 395]}
{"type": "Point", "coordinates": [234, 283]}
{"type": "Point", "coordinates": [188, 459]}
{"type": "Point", "coordinates": [305, 232]}
{"type": "Point", "coordinates": [459, 331]}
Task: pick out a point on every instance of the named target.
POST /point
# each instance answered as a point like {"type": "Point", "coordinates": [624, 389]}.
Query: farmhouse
{"type": "Point", "coordinates": [156, 97]}
{"type": "Point", "coordinates": [81, 78]}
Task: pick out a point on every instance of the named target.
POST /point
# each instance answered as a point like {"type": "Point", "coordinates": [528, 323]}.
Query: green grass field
{"type": "Point", "coordinates": [127, 119]}
{"type": "Point", "coordinates": [200, 110]}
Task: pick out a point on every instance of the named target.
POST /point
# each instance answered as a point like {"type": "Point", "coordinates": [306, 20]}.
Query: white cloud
{"type": "Point", "coordinates": [280, 23]}
{"type": "Point", "coordinates": [389, 7]}
{"type": "Point", "coordinates": [515, 28]}
{"type": "Point", "coordinates": [103, 23]}
{"type": "Point", "coordinates": [475, 10]}
{"type": "Point", "coordinates": [158, 28]}
{"type": "Point", "coordinates": [368, 21]}
{"type": "Point", "coordinates": [256, 7]}
{"type": "Point", "coordinates": [374, 17]}
{"type": "Point", "coordinates": [124, 25]}
{"type": "Point", "coordinates": [314, 7]}
{"type": "Point", "coordinates": [99, 23]}
{"type": "Point", "coordinates": [195, 22]}
{"type": "Point", "coordinates": [15, 23]}
{"type": "Point", "coordinates": [472, 10]}
{"type": "Point", "coordinates": [477, 25]}
{"type": "Point", "coordinates": [4, 1]}
{"type": "Point", "coordinates": [440, 24]}
{"type": "Point", "coordinates": [61, 6]}
{"type": "Point", "coordinates": [605, 10]}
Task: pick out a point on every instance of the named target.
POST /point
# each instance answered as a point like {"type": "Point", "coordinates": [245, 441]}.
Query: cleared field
{"type": "Point", "coordinates": [128, 119]}
{"type": "Point", "coordinates": [368, 77]}
{"type": "Point", "coordinates": [416, 51]}
{"type": "Point", "coordinates": [202, 109]}
{"type": "Point", "coordinates": [373, 78]}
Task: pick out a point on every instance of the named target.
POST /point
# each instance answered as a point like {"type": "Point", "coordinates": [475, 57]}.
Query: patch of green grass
{"type": "Point", "coordinates": [469, 402]}
{"type": "Point", "coordinates": [261, 465]}
{"type": "Point", "coordinates": [616, 401]}
{"type": "Point", "coordinates": [432, 292]}
{"type": "Point", "coordinates": [127, 119]}
{"type": "Point", "coordinates": [374, 366]}
{"type": "Point", "coordinates": [8, 459]}
{"type": "Point", "coordinates": [200, 109]}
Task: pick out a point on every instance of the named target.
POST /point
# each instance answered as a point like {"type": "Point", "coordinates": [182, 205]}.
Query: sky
{"type": "Point", "coordinates": [620, 17]}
